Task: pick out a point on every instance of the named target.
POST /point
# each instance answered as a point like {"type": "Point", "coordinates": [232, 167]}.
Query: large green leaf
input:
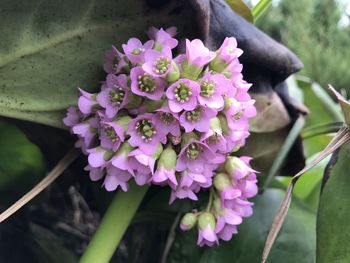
{"type": "Point", "coordinates": [333, 228]}
{"type": "Point", "coordinates": [48, 48]}
{"type": "Point", "coordinates": [296, 243]}
{"type": "Point", "coordinates": [22, 163]}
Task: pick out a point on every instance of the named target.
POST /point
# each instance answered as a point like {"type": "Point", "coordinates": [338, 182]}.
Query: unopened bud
{"type": "Point", "coordinates": [221, 181]}
{"type": "Point", "coordinates": [206, 220]}
{"type": "Point", "coordinates": [188, 221]}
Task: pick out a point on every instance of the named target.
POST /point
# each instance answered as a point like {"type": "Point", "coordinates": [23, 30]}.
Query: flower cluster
{"type": "Point", "coordinates": [172, 118]}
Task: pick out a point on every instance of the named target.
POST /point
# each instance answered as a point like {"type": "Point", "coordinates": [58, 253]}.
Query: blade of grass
{"type": "Point", "coordinates": [56, 172]}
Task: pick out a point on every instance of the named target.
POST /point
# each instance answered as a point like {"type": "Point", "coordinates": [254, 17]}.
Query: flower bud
{"type": "Point", "coordinates": [167, 159]}
{"type": "Point", "coordinates": [206, 220]}
{"type": "Point", "coordinates": [234, 165]}
{"type": "Point", "coordinates": [188, 221]}
{"type": "Point", "coordinates": [215, 123]}
{"type": "Point", "coordinates": [218, 65]}
{"type": "Point", "coordinates": [174, 75]}
{"type": "Point", "coordinates": [221, 181]}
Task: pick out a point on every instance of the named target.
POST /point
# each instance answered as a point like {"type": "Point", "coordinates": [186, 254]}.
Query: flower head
{"type": "Point", "coordinates": [182, 95]}
{"type": "Point", "coordinates": [135, 50]}
{"type": "Point", "coordinates": [115, 96]}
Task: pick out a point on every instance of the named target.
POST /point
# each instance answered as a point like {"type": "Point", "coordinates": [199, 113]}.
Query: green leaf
{"type": "Point", "coordinates": [241, 8]}
{"type": "Point", "coordinates": [49, 48]}
{"type": "Point", "coordinates": [296, 243]}
{"type": "Point", "coordinates": [344, 104]}
{"type": "Point", "coordinates": [22, 163]}
{"type": "Point", "coordinates": [260, 8]}
{"type": "Point", "coordinates": [322, 107]}
{"type": "Point", "coordinates": [333, 228]}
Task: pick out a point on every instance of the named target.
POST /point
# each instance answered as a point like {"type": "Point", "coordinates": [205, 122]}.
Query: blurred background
{"type": "Point", "coordinates": [318, 31]}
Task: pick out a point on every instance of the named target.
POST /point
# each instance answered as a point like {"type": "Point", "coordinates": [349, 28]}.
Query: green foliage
{"type": "Point", "coordinates": [22, 163]}
{"type": "Point", "coordinates": [311, 29]}
{"type": "Point", "coordinates": [40, 68]}
{"type": "Point", "coordinates": [333, 229]}
{"type": "Point", "coordinates": [295, 244]}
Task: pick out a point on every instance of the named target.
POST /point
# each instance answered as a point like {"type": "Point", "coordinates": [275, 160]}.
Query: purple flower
{"type": "Point", "coordinates": [212, 89]}
{"type": "Point", "coordinates": [165, 173]}
{"type": "Point", "coordinates": [87, 130]}
{"type": "Point", "coordinates": [167, 121]}
{"type": "Point", "coordinates": [121, 158]}
{"type": "Point", "coordinates": [115, 96]}
{"type": "Point", "coordinates": [206, 230]}
{"type": "Point", "coordinates": [197, 119]}
{"type": "Point", "coordinates": [145, 134]}
{"type": "Point", "coordinates": [115, 61]}
{"type": "Point", "coordinates": [95, 173]}
{"type": "Point", "coordinates": [99, 157]}
{"type": "Point", "coordinates": [193, 155]}
{"type": "Point", "coordinates": [214, 137]}
{"type": "Point", "coordinates": [158, 63]}
{"type": "Point", "coordinates": [111, 135]}
{"type": "Point", "coordinates": [197, 54]}
{"type": "Point", "coordinates": [163, 37]}
{"type": "Point", "coordinates": [228, 51]}
{"type": "Point", "coordinates": [135, 50]}
{"type": "Point", "coordinates": [143, 84]}
{"type": "Point", "coordinates": [72, 117]}
{"type": "Point", "coordinates": [226, 54]}
{"type": "Point", "coordinates": [227, 190]}
{"type": "Point", "coordinates": [182, 95]}
{"type": "Point", "coordinates": [116, 177]}
{"type": "Point", "coordinates": [86, 102]}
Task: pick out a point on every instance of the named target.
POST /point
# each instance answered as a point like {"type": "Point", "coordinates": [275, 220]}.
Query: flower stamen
{"type": "Point", "coordinates": [193, 151]}
{"type": "Point", "coordinates": [161, 65]}
{"type": "Point", "coordinates": [145, 129]}
{"type": "Point", "coordinates": [146, 83]}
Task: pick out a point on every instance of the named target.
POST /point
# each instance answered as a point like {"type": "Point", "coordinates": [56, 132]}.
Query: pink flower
{"type": "Point", "coordinates": [111, 135]}
{"type": "Point", "coordinates": [167, 121]}
{"type": "Point", "coordinates": [115, 96]}
{"type": "Point", "coordinates": [158, 63]}
{"type": "Point", "coordinates": [197, 119]}
{"type": "Point", "coordinates": [197, 54]}
{"type": "Point", "coordinates": [145, 134]}
{"type": "Point", "coordinates": [212, 89]}
{"type": "Point", "coordinates": [228, 51]}
{"type": "Point", "coordinates": [87, 130]}
{"type": "Point", "coordinates": [135, 50]}
{"type": "Point", "coordinates": [116, 178]}
{"type": "Point", "coordinates": [99, 157]}
{"type": "Point", "coordinates": [72, 117]}
{"type": "Point", "coordinates": [115, 61]}
{"type": "Point", "coordinates": [163, 37]}
{"type": "Point", "coordinates": [206, 230]}
{"type": "Point", "coordinates": [146, 85]}
{"type": "Point", "coordinates": [193, 155]}
{"type": "Point", "coordinates": [182, 95]}
{"type": "Point", "coordinates": [95, 173]}
{"type": "Point", "coordinates": [86, 102]}
{"type": "Point", "coordinates": [165, 173]}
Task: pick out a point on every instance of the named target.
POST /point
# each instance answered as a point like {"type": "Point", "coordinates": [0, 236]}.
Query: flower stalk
{"type": "Point", "coordinates": [113, 225]}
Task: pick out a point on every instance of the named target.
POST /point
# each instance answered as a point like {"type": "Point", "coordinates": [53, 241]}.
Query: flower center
{"type": "Point", "coordinates": [193, 151]}
{"type": "Point", "coordinates": [110, 133]}
{"type": "Point", "coordinates": [213, 138]}
{"type": "Point", "coordinates": [161, 65]}
{"type": "Point", "coordinates": [238, 115]}
{"type": "Point", "coordinates": [145, 129]}
{"type": "Point", "coordinates": [117, 95]}
{"type": "Point", "coordinates": [167, 118]}
{"type": "Point", "coordinates": [207, 88]}
{"type": "Point", "coordinates": [194, 115]}
{"type": "Point", "coordinates": [146, 83]}
{"type": "Point", "coordinates": [182, 93]}
{"type": "Point", "coordinates": [137, 51]}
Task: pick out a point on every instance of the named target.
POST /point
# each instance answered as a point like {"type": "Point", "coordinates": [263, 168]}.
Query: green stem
{"type": "Point", "coordinates": [113, 225]}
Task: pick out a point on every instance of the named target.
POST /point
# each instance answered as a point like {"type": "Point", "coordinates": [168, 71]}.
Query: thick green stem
{"type": "Point", "coordinates": [113, 225]}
